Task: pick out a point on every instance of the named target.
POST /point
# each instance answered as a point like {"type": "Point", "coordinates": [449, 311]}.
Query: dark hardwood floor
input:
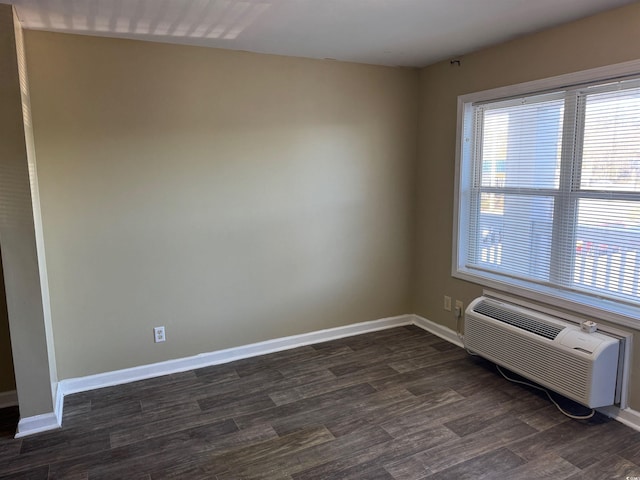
{"type": "Point", "coordinates": [397, 404]}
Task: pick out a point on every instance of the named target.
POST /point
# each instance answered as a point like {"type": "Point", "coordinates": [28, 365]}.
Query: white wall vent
{"type": "Point", "coordinates": [553, 353]}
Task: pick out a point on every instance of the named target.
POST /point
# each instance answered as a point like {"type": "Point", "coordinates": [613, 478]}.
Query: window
{"type": "Point", "coordinates": [548, 195]}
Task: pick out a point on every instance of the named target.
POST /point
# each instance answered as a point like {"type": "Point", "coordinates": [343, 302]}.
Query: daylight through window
{"type": "Point", "coordinates": [549, 192]}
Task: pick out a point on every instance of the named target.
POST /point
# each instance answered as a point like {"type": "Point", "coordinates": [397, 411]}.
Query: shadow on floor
{"type": "Point", "coordinates": [9, 421]}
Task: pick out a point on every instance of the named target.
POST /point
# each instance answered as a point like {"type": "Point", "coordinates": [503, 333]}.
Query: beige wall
{"type": "Point", "coordinates": [34, 380]}
{"type": "Point", "coordinates": [604, 39]}
{"type": "Point", "coordinates": [231, 197]}
{"type": "Point", "coordinates": [235, 197]}
{"type": "Point", "coordinates": [43, 300]}
{"type": "Point", "coordinates": [7, 379]}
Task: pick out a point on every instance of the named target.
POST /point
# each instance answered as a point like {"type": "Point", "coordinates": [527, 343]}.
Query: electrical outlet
{"type": "Point", "coordinates": [459, 309]}
{"type": "Point", "coordinates": [447, 303]}
{"type": "Point", "coordinates": [158, 334]}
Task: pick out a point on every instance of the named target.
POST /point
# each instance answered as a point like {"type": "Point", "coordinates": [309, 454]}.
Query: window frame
{"type": "Point", "coordinates": [587, 304]}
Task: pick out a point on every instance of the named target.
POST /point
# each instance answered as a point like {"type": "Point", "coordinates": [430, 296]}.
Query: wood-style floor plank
{"type": "Point", "coordinates": [399, 404]}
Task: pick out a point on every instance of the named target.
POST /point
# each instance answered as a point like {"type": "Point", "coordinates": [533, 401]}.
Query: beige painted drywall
{"type": "Point", "coordinates": [35, 203]}
{"type": "Point", "coordinates": [18, 237]}
{"type": "Point", "coordinates": [604, 39]}
{"type": "Point", "coordinates": [231, 197]}
{"type": "Point", "coordinates": [7, 378]}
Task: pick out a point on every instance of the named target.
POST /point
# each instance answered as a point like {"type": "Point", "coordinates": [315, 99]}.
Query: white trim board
{"type": "Point", "coordinates": [438, 330]}
{"type": "Point", "coordinates": [44, 422]}
{"type": "Point", "coordinates": [143, 372]}
{"type": "Point", "coordinates": [59, 404]}
{"type": "Point", "coordinates": [627, 416]}
{"type": "Point", "coordinates": [50, 421]}
{"type": "Point", "coordinates": [37, 424]}
{"type": "Point", "coordinates": [117, 377]}
{"type": "Point", "coordinates": [53, 420]}
{"type": "Point", "coordinates": [8, 399]}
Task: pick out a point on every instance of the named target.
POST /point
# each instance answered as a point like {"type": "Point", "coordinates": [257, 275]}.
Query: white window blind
{"type": "Point", "coordinates": [550, 191]}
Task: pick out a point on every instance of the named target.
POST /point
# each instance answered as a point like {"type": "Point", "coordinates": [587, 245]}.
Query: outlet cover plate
{"type": "Point", "coordinates": [158, 335]}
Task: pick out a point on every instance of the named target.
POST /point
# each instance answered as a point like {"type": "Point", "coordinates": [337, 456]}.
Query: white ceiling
{"type": "Point", "coordinates": [385, 32]}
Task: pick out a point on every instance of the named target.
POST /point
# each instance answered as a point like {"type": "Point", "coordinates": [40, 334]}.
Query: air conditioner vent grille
{"type": "Point", "coordinates": [518, 320]}
{"type": "Point", "coordinates": [544, 349]}
{"type": "Point", "coordinates": [541, 362]}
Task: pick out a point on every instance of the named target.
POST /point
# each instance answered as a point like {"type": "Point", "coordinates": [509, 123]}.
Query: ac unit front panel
{"type": "Point", "coordinates": [567, 372]}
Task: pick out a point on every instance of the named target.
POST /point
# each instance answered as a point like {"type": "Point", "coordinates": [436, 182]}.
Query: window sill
{"type": "Point", "coordinates": [598, 308]}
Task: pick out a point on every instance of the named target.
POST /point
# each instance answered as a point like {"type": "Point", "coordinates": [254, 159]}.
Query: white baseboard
{"type": "Point", "coordinates": [37, 424]}
{"type": "Point", "coordinates": [59, 404]}
{"type": "Point", "coordinates": [628, 416]}
{"type": "Point", "coordinates": [53, 420]}
{"type": "Point", "coordinates": [438, 330]}
{"type": "Point", "coordinates": [49, 421]}
{"type": "Point", "coordinates": [8, 399]}
{"type": "Point", "coordinates": [117, 377]}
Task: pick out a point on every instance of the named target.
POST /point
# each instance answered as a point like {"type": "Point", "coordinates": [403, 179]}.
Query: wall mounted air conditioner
{"type": "Point", "coordinates": [553, 353]}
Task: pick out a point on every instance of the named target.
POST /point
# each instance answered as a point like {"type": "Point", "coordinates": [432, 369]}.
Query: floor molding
{"type": "Point", "coordinates": [40, 423]}
{"type": "Point", "coordinates": [379, 427]}
{"type": "Point", "coordinates": [59, 404]}
{"type": "Point", "coordinates": [8, 399]}
{"type": "Point", "coordinates": [628, 416]}
{"type": "Point", "coordinates": [117, 377]}
{"type": "Point", "coordinates": [438, 330]}
{"type": "Point", "coordinates": [53, 420]}
{"type": "Point", "coordinates": [37, 424]}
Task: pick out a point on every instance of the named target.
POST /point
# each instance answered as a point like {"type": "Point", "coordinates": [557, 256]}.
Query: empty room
{"type": "Point", "coordinates": [319, 239]}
